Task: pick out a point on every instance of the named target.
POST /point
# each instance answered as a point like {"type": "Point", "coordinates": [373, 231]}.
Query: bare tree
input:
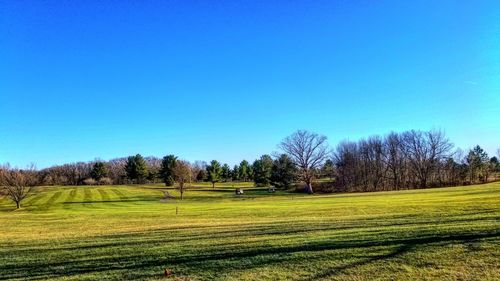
{"type": "Point", "coordinates": [394, 160]}
{"type": "Point", "coordinates": [17, 185]}
{"type": "Point", "coordinates": [182, 175]}
{"type": "Point", "coordinates": [198, 169]}
{"type": "Point", "coordinates": [424, 151]}
{"type": "Point", "coordinates": [372, 158]}
{"type": "Point", "coordinates": [116, 170]}
{"type": "Point", "coordinates": [347, 162]}
{"type": "Point", "coordinates": [308, 151]}
{"type": "Point", "coordinates": [399, 160]}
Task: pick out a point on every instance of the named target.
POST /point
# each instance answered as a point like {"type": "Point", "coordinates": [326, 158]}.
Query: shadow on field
{"type": "Point", "coordinates": [276, 230]}
{"type": "Point", "coordinates": [135, 255]}
{"type": "Point", "coordinates": [408, 246]}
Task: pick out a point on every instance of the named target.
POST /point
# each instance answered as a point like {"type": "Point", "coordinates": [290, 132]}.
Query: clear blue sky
{"type": "Point", "coordinates": [229, 79]}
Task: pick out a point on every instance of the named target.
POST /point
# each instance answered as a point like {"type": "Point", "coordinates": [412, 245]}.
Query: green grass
{"type": "Point", "coordinates": [127, 232]}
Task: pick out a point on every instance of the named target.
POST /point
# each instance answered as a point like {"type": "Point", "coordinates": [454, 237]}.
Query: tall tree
{"type": "Point", "coordinates": [167, 169]}
{"type": "Point", "coordinates": [99, 171]}
{"type": "Point", "coordinates": [394, 159]}
{"type": "Point", "coordinates": [477, 160]}
{"type": "Point", "coordinates": [424, 150]}
{"type": "Point", "coordinates": [250, 172]}
{"type": "Point", "coordinates": [283, 172]}
{"type": "Point", "coordinates": [235, 173]}
{"type": "Point", "coordinates": [226, 173]}
{"type": "Point", "coordinates": [308, 151]}
{"type": "Point", "coordinates": [243, 170]}
{"type": "Point", "coordinates": [136, 168]}
{"type": "Point", "coordinates": [347, 162]}
{"type": "Point", "coordinates": [371, 152]}
{"type": "Point", "coordinates": [262, 169]}
{"type": "Point", "coordinates": [116, 170]}
{"type": "Point", "coordinates": [214, 172]}
{"type": "Point", "coordinates": [182, 175]}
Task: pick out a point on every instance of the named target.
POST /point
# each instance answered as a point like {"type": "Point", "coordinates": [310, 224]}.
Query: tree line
{"type": "Point", "coordinates": [410, 159]}
{"type": "Point", "coordinates": [137, 169]}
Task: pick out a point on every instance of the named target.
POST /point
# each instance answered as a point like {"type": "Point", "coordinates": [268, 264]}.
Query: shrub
{"type": "Point", "coordinates": [89, 181]}
{"type": "Point", "coordinates": [105, 181]}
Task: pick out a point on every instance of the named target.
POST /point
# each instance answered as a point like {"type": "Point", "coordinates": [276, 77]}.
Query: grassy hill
{"type": "Point", "coordinates": [127, 232]}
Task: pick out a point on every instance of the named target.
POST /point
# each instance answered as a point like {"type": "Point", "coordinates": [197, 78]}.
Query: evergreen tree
{"type": "Point", "coordinates": [250, 173]}
{"type": "Point", "coordinates": [243, 170]}
{"type": "Point", "coordinates": [235, 173]}
{"type": "Point", "coordinates": [284, 172]}
{"type": "Point", "coordinates": [494, 162]}
{"type": "Point", "coordinates": [99, 171]}
{"type": "Point", "coordinates": [477, 160]}
{"type": "Point", "coordinates": [167, 169]}
{"type": "Point", "coordinates": [226, 173]}
{"type": "Point", "coordinates": [262, 169]}
{"type": "Point", "coordinates": [214, 172]}
{"type": "Point", "coordinates": [136, 168]}
{"type": "Point", "coordinates": [153, 173]}
{"type": "Point", "coordinates": [328, 169]}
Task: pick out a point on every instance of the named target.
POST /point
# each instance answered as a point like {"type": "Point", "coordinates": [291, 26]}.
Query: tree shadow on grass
{"type": "Point", "coordinates": [272, 231]}
{"type": "Point", "coordinates": [342, 268]}
{"type": "Point", "coordinates": [406, 246]}
{"type": "Point", "coordinates": [210, 261]}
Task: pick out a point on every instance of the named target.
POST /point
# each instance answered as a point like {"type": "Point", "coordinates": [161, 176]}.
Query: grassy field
{"type": "Point", "coordinates": [127, 232]}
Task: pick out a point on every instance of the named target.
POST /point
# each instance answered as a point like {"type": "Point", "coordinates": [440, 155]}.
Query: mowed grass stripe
{"type": "Point", "coordinates": [35, 198]}
{"type": "Point", "coordinates": [106, 199]}
{"type": "Point", "coordinates": [72, 195]}
{"type": "Point", "coordinates": [104, 195]}
{"type": "Point", "coordinates": [52, 200]}
{"type": "Point", "coordinates": [119, 194]}
{"type": "Point", "coordinates": [87, 194]}
{"type": "Point", "coordinates": [70, 198]}
{"type": "Point", "coordinates": [88, 197]}
{"type": "Point", "coordinates": [122, 198]}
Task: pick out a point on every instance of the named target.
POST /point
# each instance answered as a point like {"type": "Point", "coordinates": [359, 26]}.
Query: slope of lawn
{"type": "Point", "coordinates": [128, 232]}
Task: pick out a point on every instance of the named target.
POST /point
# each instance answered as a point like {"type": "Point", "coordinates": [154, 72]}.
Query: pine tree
{"type": "Point", "coordinates": [235, 173]}
{"type": "Point", "coordinates": [136, 168]}
{"type": "Point", "coordinates": [262, 169]}
{"type": "Point", "coordinates": [243, 171]}
{"type": "Point", "coordinates": [284, 172]}
{"type": "Point", "coordinates": [226, 173]}
{"type": "Point", "coordinates": [167, 169]}
{"type": "Point", "coordinates": [214, 172]}
{"type": "Point", "coordinates": [99, 171]}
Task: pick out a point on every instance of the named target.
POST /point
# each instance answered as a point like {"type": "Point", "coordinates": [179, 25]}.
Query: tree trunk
{"type": "Point", "coordinates": [309, 188]}
{"type": "Point", "coordinates": [18, 204]}
{"type": "Point", "coordinates": [423, 183]}
{"type": "Point", "coordinates": [213, 185]}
